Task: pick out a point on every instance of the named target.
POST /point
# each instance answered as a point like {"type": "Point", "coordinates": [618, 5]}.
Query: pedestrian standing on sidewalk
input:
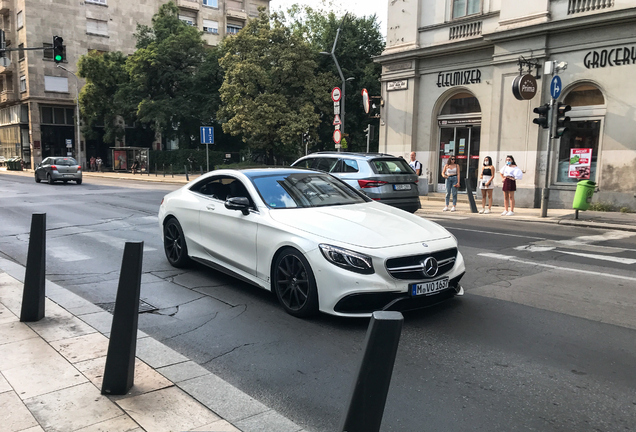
{"type": "Point", "coordinates": [98, 162]}
{"type": "Point", "coordinates": [416, 165]}
{"type": "Point", "coordinates": [451, 174]}
{"type": "Point", "coordinates": [510, 173]}
{"type": "Point", "coordinates": [486, 184]}
{"type": "Point", "coordinates": [92, 162]}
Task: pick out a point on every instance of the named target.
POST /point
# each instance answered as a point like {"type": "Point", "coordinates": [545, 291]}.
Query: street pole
{"type": "Point", "coordinates": [368, 136]}
{"type": "Point", "coordinates": [545, 192]}
{"type": "Point", "coordinates": [79, 148]}
{"type": "Point", "coordinates": [333, 56]}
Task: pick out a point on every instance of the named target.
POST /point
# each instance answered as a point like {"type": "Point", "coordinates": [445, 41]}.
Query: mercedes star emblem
{"type": "Point", "coordinates": [430, 267]}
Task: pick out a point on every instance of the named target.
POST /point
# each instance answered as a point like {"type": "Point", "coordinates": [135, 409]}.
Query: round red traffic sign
{"type": "Point", "coordinates": [337, 135]}
{"type": "Point", "coordinates": [366, 103]}
{"type": "Point", "coordinates": [336, 94]}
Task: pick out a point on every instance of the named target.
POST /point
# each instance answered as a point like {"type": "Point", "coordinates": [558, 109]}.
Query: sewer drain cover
{"type": "Point", "coordinates": [143, 307]}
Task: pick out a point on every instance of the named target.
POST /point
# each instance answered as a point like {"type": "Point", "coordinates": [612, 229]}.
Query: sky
{"type": "Point", "coordinates": [358, 7]}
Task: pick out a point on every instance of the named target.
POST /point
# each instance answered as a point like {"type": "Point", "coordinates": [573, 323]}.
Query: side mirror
{"type": "Point", "coordinates": [238, 203]}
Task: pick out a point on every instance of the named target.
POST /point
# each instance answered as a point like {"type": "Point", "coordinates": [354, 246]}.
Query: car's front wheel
{"type": "Point", "coordinates": [174, 244]}
{"type": "Point", "coordinates": [37, 179]}
{"type": "Point", "coordinates": [294, 283]}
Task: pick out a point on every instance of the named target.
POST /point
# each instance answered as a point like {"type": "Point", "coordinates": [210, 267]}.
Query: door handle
{"type": "Point", "coordinates": [210, 207]}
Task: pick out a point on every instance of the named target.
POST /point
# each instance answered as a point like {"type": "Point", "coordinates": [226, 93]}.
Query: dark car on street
{"type": "Point", "coordinates": [382, 177]}
{"type": "Point", "coordinates": [58, 168]}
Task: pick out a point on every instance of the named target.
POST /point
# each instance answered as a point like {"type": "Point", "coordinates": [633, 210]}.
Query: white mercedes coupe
{"type": "Point", "coordinates": [313, 240]}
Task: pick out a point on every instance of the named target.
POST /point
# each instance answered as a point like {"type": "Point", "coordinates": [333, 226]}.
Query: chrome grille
{"type": "Point", "coordinates": [412, 267]}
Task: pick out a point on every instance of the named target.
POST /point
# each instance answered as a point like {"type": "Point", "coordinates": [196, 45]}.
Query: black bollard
{"type": "Point", "coordinates": [163, 168]}
{"type": "Point", "coordinates": [171, 171]}
{"type": "Point", "coordinates": [201, 168]}
{"type": "Point", "coordinates": [366, 405]}
{"type": "Point", "coordinates": [119, 372]}
{"type": "Point", "coordinates": [471, 198]}
{"type": "Point", "coordinates": [34, 293]}
{"type": "Point", "coordinates": [185, 167]}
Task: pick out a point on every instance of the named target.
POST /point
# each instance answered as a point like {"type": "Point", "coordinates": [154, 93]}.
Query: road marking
{"type": "Point", "coordinates": [573, 270]}
{"type": "Point", "coordinates": [602, 257]}
{"type": "Point", "coordinates": [499, 234]}
{"type": "Point", "coordinates": [582, 242]}
{"type": "Point", "coordinates": [67, 254]}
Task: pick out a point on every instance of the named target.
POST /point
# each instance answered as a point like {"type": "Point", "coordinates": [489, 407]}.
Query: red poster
{"type": "Point", "coordinates": [121, 162]}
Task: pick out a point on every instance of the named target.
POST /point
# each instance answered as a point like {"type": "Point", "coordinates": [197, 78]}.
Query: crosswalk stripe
{"type": "Point", "coordinates": [620, 260]}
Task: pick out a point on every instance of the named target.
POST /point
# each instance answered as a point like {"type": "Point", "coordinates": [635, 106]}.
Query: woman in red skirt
{"type": "Point", "coordinates": [510, 173]}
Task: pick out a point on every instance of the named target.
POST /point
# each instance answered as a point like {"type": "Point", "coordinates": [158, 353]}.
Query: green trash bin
{"type": "Point", "coordinates": [583, 195]}
{"type": "Point", "coordinates": [10, 164]}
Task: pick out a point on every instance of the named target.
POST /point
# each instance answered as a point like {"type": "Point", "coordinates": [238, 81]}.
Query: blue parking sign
{"type": "Point", "coordinates": [207, 135]}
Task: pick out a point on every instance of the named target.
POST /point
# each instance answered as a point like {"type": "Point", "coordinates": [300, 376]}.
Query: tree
{"type": "Point", "coordinates": [273, 91]}
{"type": "Point", "coordinates": [360, 40]}
{"type": "Point", "coordinates": [174, 78]}
{"type": "Point", "coordinates": [100, 100]}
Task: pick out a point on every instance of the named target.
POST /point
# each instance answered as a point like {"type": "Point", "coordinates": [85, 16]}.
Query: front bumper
{"type": "Point", "coordinates": [345, 293]}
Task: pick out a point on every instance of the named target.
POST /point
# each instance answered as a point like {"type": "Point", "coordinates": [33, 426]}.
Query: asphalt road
{"type": "Point", "coordinates": [543, 340]}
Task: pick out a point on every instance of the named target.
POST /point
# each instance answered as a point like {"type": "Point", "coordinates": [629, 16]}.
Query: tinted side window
{"type": "Point", "coordinates": [326, 164]}
{"type": "Point", "coordinates": [349, 165]}
{"type": "Point", "coordinates": [391, 166]}
{"type": "Point", "coordinates": [305, 163]}
{"type": "Point", "coordinates": [213, 187]}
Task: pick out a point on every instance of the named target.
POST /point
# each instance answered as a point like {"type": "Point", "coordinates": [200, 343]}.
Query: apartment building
{"type": "Point", "coordinates": [447, 83]}
{"type": "Point", "coordinates": [38, 99]}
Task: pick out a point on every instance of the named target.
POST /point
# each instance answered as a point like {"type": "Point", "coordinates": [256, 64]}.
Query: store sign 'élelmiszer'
{"type": "Point", "coordinates": [610, 57]}
{"type": "Point", "coordinates": [450, 79]}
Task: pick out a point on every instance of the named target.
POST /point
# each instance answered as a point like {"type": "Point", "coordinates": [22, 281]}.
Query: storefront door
{"type": "Point", "coordinates": [462, 142]}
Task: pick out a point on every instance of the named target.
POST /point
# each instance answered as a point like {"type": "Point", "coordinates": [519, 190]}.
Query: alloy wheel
{"type": "Point", "coordinates": [293, 283]}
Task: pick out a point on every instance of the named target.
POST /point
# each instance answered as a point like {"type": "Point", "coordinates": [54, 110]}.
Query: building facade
{"type": "Point", "coordinates": [38, 99]}
{"type": "Point", "coordinates": [447, 80]}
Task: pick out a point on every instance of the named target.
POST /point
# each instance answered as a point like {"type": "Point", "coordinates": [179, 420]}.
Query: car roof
{"type": "Point", "coordinates": [350, 155]}
{"type": "Point", "coordinates": [257, 172]}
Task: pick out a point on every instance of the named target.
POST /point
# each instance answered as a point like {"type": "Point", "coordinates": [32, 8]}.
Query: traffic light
{"type": "Point", "coordinates": [544, 115]}
{"type": "Point", "coordinates": [562, 121]}
{"type": "Point", "coordinates": [58, 49]}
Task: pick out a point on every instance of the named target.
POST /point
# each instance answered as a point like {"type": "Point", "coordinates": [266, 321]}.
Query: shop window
{"type": "Point", "coordinates": [462, 8]}
{"type": "Point", "coordinates": [47, 115]}
{"type": "Point", "coordinates": [461, 103]}
{"type": "Point", "coordinates": [581, 134]}
{"type": "Point", "coordinates": [584, 95]}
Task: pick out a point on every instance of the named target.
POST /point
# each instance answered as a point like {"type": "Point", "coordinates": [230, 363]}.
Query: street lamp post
{"type": "Point", "coordinates": [77, 87]}
{"type": "Point", "coordinates": [333, 56]}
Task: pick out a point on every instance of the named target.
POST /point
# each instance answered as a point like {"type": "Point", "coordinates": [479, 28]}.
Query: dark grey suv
{"type": "Point", "coordinates": [382, 177]}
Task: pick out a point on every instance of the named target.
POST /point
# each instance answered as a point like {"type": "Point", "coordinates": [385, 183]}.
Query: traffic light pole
{"type": "Point", "coordinates": [545, 192]}
{"type": "Point", "coordinates": [78, 143]}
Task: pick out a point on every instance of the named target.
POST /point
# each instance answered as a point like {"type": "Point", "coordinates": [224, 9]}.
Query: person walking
{"type": "Point", "coordinates": [451, 174]}
{"type": "Point", "coordinates": [510, 173]}
{"type": "Point", "coordinates": [486, 184]}
{"type": "Point", "coordinates": [92, 162]}
{"type": "Point", "coordinates": [98, 163]}
{"type": "Point", "coordinates": [416, 165]}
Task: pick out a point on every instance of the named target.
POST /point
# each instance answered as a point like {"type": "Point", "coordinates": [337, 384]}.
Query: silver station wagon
{"type": "Point", "coordinates": [382, 177]}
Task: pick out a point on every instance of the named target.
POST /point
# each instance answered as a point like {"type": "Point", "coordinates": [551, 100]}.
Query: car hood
{"type": "Point", "coordinates": [369, 225]}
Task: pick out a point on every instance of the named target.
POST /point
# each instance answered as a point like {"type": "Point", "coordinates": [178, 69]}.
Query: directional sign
{"type": "Point", "coordinates": [336, 120]}
{"type": "Point", "coordinates": [555, 87]}
{"type": "Point", "coordinates": [336, 94]}
{"type": "Point", "coordinates": [337, 135]}
{"type": "Point", "coordinates": [207, 135]}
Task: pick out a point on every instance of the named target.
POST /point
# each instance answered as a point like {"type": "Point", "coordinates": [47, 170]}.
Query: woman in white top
{"type": "Point", "coordinates": [451, 174]}
{"type": "Point", "coordinates": [487, 176]}
{"type": "Point", "coordinates": [510, 173]}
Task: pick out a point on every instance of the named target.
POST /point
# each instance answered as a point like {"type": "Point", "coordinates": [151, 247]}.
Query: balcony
{"type": "Point", "coordinates": [235, 9]}
{"type": "Point", "coordinates": [465, 30]}
{"type": "Point", "coordinates": [5, 6]}
{"type": "Point", "coordinates": [189, 4]}
{"type": "Point", "coordinates": [7, 96]}
{"type": "Point", "coordinates": [578, 6]}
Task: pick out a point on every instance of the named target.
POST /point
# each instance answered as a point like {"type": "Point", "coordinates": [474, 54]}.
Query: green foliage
{"type": "Point", "coordinates": [101, 97]}
{"type": "Point", "coordinates": [601, 206]}
{"type": "Point", "coordinates": [273, 91]}
{"type": "Point", "coordinates": [359, 41]}
{"type": "Point", "coordinates": [179, 158]}
{"type": "Point", "coordinates": [626, 210]}
{"type": "Point", "coordinates": [343, 143]}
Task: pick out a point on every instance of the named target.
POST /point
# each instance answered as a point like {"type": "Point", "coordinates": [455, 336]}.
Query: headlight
{"type": "Point", "coordinates": [347, 259]}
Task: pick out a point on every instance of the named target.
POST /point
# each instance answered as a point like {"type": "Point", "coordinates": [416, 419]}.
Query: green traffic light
{"type": "Point", "coordinates": [58, 58]}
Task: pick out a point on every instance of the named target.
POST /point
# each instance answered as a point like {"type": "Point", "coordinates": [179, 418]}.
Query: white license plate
{"type": "Point", "coordinates": [428, 288]}
{"type": "Point", "coordinates": [402, 187]}
{"type": "Point", "coordinates": [68, 175]}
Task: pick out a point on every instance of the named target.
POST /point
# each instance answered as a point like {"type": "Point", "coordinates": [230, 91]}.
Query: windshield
{"type": "Point", "coordinates": [391, 166]}
{"type": "Point", "coordinates": [304, 190]}
{"type": "Point", "coordinates": [65, 161]}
